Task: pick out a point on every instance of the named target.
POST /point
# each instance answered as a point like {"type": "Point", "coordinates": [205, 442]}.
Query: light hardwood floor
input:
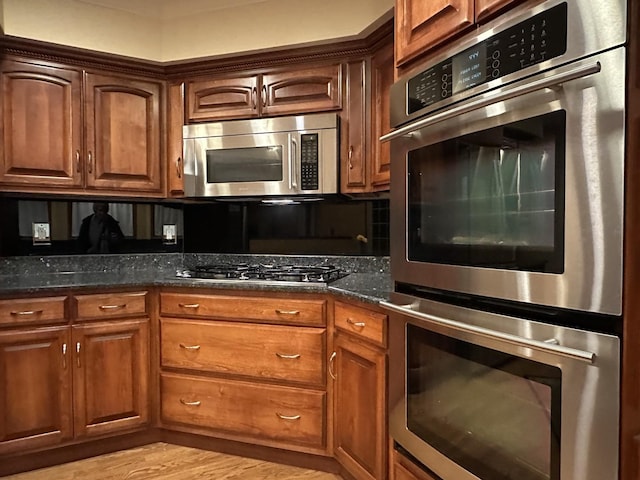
{"type": "Point", "coordinates": [171, 462]}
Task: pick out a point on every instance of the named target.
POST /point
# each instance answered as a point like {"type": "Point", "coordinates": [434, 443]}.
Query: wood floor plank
{"type": "Point", "coordinates": [171, 462]}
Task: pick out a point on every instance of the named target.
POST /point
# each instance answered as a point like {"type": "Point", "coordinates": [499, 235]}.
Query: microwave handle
{"type": "Point", "coordinates": [529, 87]}
{"type": "Point", "coordinates": [548, 346]}
{"type": "Point", "coordinates": [293, 163]}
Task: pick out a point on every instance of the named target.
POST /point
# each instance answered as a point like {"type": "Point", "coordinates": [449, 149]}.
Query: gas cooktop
{"type": "Point", "coordinates": [265, 274]}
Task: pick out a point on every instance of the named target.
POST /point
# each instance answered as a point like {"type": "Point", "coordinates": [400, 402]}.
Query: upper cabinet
{"type": "Point", "coordinates": [83, 131]}
{"type": "Point", "coordinates": [421, 25]}
{"type": "Point", "coordinates": [285, 92]}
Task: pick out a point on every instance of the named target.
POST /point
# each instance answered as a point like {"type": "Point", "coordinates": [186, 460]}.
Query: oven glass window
{"type": "Point", "coordinates": [494, 414]}
{"type": "Point", "coordinates": [254, 164]}
{"type": "Point", "coordinates": [493, 198]}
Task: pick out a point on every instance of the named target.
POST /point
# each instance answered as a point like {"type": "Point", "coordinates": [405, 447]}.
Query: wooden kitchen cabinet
{"type": "Point", "coordinates": [365, 118]}
{"type": "Point", "coordinates": [110, 376]}
{"type": "Point", "coordinates": [175, 121]}
{"type": "Point", "coordinates": [35, 388]}
{"type": "Point", "coordinates": [69, 131]}
{"type": "Point", "coordinates": [421, 26]}
{"type": "Point", "coordinates": [358, 368]}
{"type": "Point", "coordinates": [221, 352]}
{"type": "Point", "coordinates": [284, 92]}
{"type": "Point", "coordinates": [404, 469]}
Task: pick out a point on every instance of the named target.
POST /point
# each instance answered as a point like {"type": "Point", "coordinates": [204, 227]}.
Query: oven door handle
{"type": "Point", "coordinates": [529, 87]}
{"type": "Point", "coordinates": [547, 346]}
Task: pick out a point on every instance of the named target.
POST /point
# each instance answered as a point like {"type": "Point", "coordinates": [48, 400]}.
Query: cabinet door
{"type": "Point", "coordinates": [353, 130]}
{"type": "Point", "coordinates": [381, 81]}
{"type": "Point", "coordinates": [222, 98]}
{"type": "Point", "coordinates": [175, 121]}
{"type": "Point", "coordinates": [360, 402]}
{"type": "Point", "coordinates": [486, 8]}
{"type": "Point", "coordinates": [41, 126]}
{"type": "Point", "coordinates": [35, 388]}
{"type": "Point", "coordinates": [111, 376]}
{"type": "Point", "coordinates": [422, 25]}
{"type": "Point", "coordinates": [302, 90]}
{"type": "Point", "coordinates": [123, 134]}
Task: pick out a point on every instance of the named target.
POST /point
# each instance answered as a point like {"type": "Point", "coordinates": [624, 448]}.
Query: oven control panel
{"type": "Point", "coordinates": [309, 168]}
{"type": "Point", "coordinates": [539, 38]}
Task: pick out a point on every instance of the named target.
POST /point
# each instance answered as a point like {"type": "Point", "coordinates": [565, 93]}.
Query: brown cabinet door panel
{"type": "Point", "coordinates": [268, 352]}
{"type": "Point", "coordinates": [110, 305]}
{"type": "Point", "coordinates": [360, 409]}
{"type": "Point", "coordinates": [175, 121]}
{"type": "Point", "coordinates": [422, 25]}
{"type": "Point", "coordinates": [262, 413]}
{"type": "Point", "coordinates": [353, 128]}
{"type": "Point", "coordinates": [486, 8]}
{"type": "Point", "coordinates": [302, 91]}
{"type": "Point", "coordinates": [123, 134]}
{"type": "Point", "coordinates": [35, 388]}
{"type": "Point", "coordinates": [111, 371]}
{"type": "Point", "coordinates": [22, 311]}
{"type": "Point", "coordinates": [41, 125]}
{"type": "Point", "coordinates": [222, 98]}
{"type": "Point", "coordinates": [381, 79]}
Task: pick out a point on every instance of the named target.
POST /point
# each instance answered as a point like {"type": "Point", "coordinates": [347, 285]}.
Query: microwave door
{"type": "Point", "coordinates": [244, 165]}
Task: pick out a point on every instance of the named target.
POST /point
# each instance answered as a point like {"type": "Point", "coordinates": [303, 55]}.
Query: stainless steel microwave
{"type": "Point", "coordinates": [266, 157]}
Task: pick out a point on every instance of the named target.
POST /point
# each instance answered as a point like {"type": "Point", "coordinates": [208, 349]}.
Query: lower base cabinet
{"type": "Point", "coordinates": [263, 413]}
{"type": "Point", "coordinates": [404, 469]}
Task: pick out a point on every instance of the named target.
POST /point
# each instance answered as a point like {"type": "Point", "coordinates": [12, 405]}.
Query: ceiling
{"type": "Point", "coordinates": [168, 9]}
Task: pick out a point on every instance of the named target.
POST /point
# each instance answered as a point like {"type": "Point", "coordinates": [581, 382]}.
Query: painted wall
{"type": "Point", "coordinates": [269, 24]}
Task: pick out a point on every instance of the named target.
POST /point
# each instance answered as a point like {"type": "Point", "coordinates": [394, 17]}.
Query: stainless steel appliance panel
{"type": "Point", "coordinates": [591, 27]}
{"type": "Point", "coordinates": [591, 93]}
{"type": "Point", "coordinates": [590, 366]}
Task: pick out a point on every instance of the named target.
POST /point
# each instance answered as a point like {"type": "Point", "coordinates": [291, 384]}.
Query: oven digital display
{"type": "Point", "coordinates": [537, 39]}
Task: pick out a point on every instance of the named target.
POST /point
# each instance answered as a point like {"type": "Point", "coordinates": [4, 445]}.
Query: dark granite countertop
{"type": "Point", "coordinates": [368, 286]}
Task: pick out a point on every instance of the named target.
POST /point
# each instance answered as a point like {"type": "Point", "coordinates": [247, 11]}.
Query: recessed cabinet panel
{"type": "Point", "coordinates": [123, 133]}
{"type": "Point", "coordinates": [35, 399]}
{"type": "Point", "coordinates": [222, 98]}
{"type": "Point", "coordinates": [382, 79]}
{"type": "Point", "coordinates": [486, 8]}
{"type": "Point", "coordinates": [353, 128]}
{"type": "Point", "coordinates": [41, 135]}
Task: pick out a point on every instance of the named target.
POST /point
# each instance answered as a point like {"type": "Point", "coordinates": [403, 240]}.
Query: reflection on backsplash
{"type": "Point", "coordinates": [328, 227]}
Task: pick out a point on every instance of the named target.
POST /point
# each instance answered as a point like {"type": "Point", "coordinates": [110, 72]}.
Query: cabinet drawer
{"type": "Point", "coordinates": [111, 305]}
{"type": "Point", "coordinates": [361, 322]}
{"type": "Point", "coordinates": [32, 310]}
{"type": "Point", "coordinates": [293, 354]}
{"type": "Point", "coordinates": [259, 412]}
{"type": "Point", "coordinates": [258, 309]}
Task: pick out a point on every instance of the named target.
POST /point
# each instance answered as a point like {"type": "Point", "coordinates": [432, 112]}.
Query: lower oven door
{"type": "Point", "coordinates": [475, 395]}
{"type": "Point", "coordinates": [518, 193]}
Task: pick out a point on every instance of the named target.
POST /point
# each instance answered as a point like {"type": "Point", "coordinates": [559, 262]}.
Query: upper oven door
{"type": "Point", "coordinates": [518, 193]}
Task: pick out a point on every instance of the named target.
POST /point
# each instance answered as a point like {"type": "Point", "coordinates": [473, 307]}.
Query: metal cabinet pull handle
{"type": "Point", "coordinates": [190, 347]}
{"type": "Point", "coordinates": [288, 417]}
{"type": "Point", "coordinates": [179, 167]}
{"type": "Point", "coordinates": [112, 307]}
{"type": "Point", "coordinates": [293, 357]}
{"type": "Point", "coordinates": [90, 163]}
{"type": "Point", "coordinates": [189, 305]}
{"type": "Point", "coordinates": [264, 96]}
{"type": "Point", "coordinates": [254, 95]}
{"type": "Point", "coordinates": [27, 312]}
{"type": "Point", "coordinates": [331, 359]}
{"type": "Point", "coordinates": [287, 312]}
{"type": "Point", "coordinates": [78, 164]}
{"type": "Point", "coordinates": [64, 356]}
{"type": "Point", "coordinates": [197, 403]}
{"type": "Point", "coordinates": [78, 354]}
{"type": "Point", "coordinates": [356, 324]}
{"type": "Point", "coordinates": [350, 157]}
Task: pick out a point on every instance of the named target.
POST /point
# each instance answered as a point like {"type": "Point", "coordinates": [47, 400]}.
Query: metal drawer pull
{"type": "Point", "coordinates": [64, 356]}
{"type": "Point", "coordinates": [27, 312]}
{"type": "Point", "coordinates": [356, 324]}
{"type": "Point", "coordinates": [293, 357]}
{"type": "Point", "coordinates": [287, 312]}
{"type": "Point", "coordinates": [288, 417]}
{"type": "Point", "coordinates": [190, 404]}
{"type": "Point", "coordinates": [189, 305]}
{"type": "Point", "coordinates": [112, 307]}
{"type": "Point", "coordinates": [190, 347]}
{"type": "Point", "coordinates": [78, 354]}
{"type": "Point", "coordinates": [331, 359]}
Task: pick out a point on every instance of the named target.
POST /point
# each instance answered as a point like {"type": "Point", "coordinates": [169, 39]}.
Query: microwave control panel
{"type": "Point", "coordinates": [309, 166]}
{"type": "Point", "coordinates": [533, 41]}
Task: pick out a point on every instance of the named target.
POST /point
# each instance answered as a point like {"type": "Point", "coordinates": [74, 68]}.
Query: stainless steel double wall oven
{"type": "Point", "coordinates": [507, 214]}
